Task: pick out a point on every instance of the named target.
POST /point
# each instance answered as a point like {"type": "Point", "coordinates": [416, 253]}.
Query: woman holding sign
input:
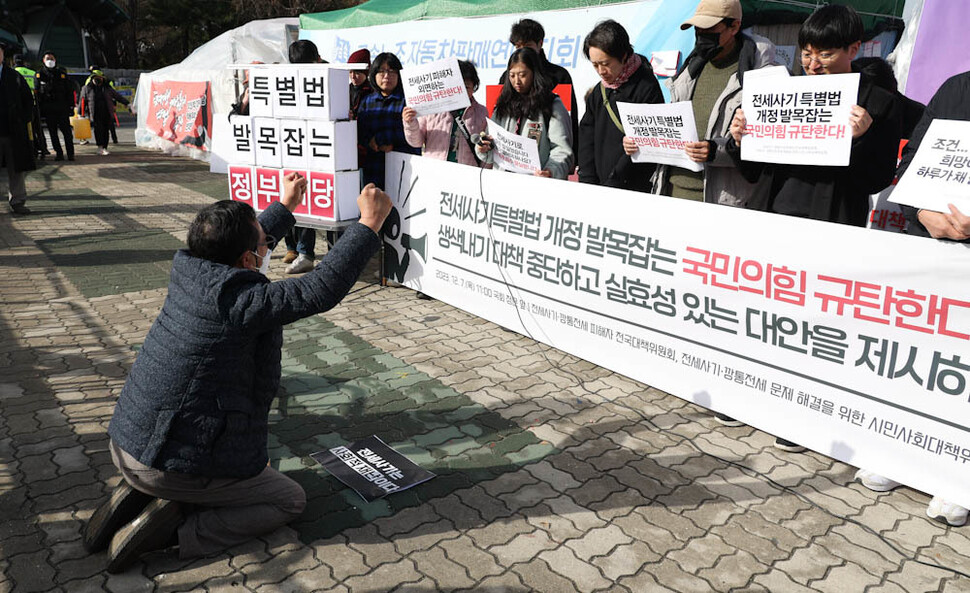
{"type": "Point", "coordinates": [627, 77]}
{"type": "Point", "coordinates": [439, 133]}
{"type": "Point", "coordinates": [379, 126]}
{"type": "Point", "coordinates": [528, 107]}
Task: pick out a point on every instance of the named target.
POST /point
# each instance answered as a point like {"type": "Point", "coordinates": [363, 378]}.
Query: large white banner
{"type": "Point", "coordinates": [801, 328]}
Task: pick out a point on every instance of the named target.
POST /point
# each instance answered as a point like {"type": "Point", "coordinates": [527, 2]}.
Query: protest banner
{"type": "Point", "coordinates": [435, 87]}
{"type": "Point", "coordinates": [799, 120]}
{"type": "Point", "coordinates": [372, 468]}
{"type": "Point", "coordinates": [180, 112]}
{"type": "Point", "coordinates": [660, 131]}
{"type": "Point", "coordinates": [317, 91]}
{"type": "Point", "coordinates": [864, 359]}
{"type": "Point", "coordinates": [512, 152]}
{"type": "Point", "coordinates": [939, 174]}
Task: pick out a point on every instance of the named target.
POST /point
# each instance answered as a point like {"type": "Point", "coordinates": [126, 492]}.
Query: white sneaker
{"type": "Point", "coordinates": [946, 512]}
{"type": "Point", "coordinates": [300, 265]}
{"type": "Point", "coordinates": [875, 482]}
{"type": "Point", "coordinates": [83, 142]}
{"type": "Point", "coordinates": [103, 152]}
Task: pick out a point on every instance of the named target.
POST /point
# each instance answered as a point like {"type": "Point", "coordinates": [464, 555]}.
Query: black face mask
{"type": "Point", "coordinates": [707, 45]}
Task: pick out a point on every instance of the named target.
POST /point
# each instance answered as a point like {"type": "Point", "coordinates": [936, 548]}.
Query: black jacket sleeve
{"type": "Point", "coordinates": [586, 155]}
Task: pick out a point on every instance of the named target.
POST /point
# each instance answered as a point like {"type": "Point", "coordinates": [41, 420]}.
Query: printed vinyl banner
{"type": "Point", "coordinates": [180, 112]}
{"type": "Point", "coordinates": [787, 324]}
{"type": "Point", "coordinates": [799, 120]}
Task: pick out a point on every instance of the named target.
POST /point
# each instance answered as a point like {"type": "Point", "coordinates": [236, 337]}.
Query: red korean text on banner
{"type": "Point", "coordinates": [321, 191]}
{"type": "Point", "coordinates": [241, 184]}
{"type": "Point", "coordinates": [304, 207]}
{"type": "Point", "coordinates": [268, 186]}
{"type": "Point", "coordinates": [181, 112]}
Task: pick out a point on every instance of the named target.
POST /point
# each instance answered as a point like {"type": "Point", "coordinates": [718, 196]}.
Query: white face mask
{"type": "Point", "coordinates": [50, 63]}
{"type": "Point", "coordinates": [264, 265]}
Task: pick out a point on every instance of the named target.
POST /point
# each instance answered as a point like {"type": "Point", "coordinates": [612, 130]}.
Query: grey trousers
{"type": "Point", "coordinates": [229, 511]}
{"type": "Point", "coordinates": [16, 190]}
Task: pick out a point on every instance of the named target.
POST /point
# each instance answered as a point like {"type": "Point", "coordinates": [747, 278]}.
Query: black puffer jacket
{"type": "Point", "coordinates": [197, 399]}
{"type": "Point", "coordinates": [602, 160]}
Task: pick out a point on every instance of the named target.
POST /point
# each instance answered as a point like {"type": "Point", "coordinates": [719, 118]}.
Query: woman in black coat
{"type": "Point", "coordinates": [625, 77]}
{"type": "Point", "coordinates": [16, 141]}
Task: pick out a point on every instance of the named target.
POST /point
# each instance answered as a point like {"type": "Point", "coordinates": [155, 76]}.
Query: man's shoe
{"type": "Point", "coordinates": [290, 256]}
{"type": "Point", "coordinates": [300, 265]}
{"type": "Point", "coordinates": [104, 152]}
{"type": "Point", "coordinates": [786, 445]}
{"type": "Point", "coordinates": [875, 482]}
{"type": "Point", "coordinates": [727, 420]}
{"type": "Point", "coordinates": [946, 512]}
{"type": "Point", "coordinates": [122, 506]}
{"type": "Point", "coordinates": [59, 157]}
{"type": "Point", "coordinates": [19, 209]}
{"type": "Point", "coordinates": [83, 142]}
{"type": "Point", "coordinates": [151, 530]}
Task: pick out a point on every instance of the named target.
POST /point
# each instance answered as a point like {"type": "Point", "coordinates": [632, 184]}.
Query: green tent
{"type": "Point", "coordinates": [877, 13]}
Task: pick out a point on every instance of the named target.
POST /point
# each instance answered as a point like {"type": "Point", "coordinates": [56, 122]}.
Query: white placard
{"type": "Point", "coordinates": [799, 120]}
{"type": "Point", "coordinates": [511, 152]}
{"type": "Point", "coordinates": [864, 359]}
{"type": "Point", "coordinates": [661, 131]}
{"type": "Point", "coordinates": [266, 137]}
{"type": "Point", "coordinates": [766, 72]}
{"type": "Point", "coordinates": [939, 174]}
{"type": "Point", "coordinates": [435, 87]}
{"type": "Point", "coordinates": [665, 63]}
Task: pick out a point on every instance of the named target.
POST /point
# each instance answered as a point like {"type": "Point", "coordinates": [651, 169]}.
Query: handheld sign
{"type": "Point", "coordinates": [939, 174]}
{"type": "Point", "coordinates": [512, 152]}
{"type": "Point", "coordinates": [435, 87]}
{"type": "Point", "coordinates": [802, 120]}
{"type": "Point", "coordinates": [661, 131]}
{"type": "Point", "coordinates": [371, 468]}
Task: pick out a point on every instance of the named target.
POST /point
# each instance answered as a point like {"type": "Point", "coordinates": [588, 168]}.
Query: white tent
{"type": "Point", "coordinates": [265, 41]}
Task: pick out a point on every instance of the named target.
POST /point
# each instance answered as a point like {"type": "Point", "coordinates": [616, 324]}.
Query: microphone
{"type": "Point", "coordinates": [476, 139]}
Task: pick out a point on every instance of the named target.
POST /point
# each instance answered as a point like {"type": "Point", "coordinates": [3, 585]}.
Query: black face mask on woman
{"type": "Point", "coordinates": [707, 45]}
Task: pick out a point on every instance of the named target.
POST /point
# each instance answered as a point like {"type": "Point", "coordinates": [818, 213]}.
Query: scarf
{"type": "Point", "coordinates": [631, 66]}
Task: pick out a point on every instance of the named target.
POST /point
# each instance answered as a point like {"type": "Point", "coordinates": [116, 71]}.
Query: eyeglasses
{"type": "Point", "coordinates": [270, 243]}
{"type": "Point", "coordinates": [387, 72]}
{"type": "Point", "coordinates": [824, 58]}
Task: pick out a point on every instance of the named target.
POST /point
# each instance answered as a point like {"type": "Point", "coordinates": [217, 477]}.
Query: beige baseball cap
{"type": "Point", "coordinates": [712, 12]}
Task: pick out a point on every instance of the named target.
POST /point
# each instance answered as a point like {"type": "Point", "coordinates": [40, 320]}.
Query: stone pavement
{"type": "Point", "coordinates": [553, 474]}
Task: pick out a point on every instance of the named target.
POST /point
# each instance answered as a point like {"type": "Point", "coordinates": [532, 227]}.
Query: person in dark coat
{"type": "Point", "coordinates": [55, 95]}
{"type": "Point", "coordinates": [530, 33]}
{"type": "Point", "coordinates": [624, 77]}
{"type": "Point", "coordinates": [16, 136]}
{"type": "Point", "coordinates": [98, 102]}
{"type": "Point", "coordinates": [189, 432]}
{"type": "Point", "coordinates": [829, 40]}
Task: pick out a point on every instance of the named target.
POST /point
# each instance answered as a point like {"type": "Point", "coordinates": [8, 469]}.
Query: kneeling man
{"type": "Point", "coordinates": [190, 428]}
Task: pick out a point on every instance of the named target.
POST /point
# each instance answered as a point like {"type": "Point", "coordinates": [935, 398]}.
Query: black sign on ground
{"type": "Point", "coordinates": [372, 468]}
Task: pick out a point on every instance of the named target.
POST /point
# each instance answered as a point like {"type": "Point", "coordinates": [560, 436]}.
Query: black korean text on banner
{"type": "Point", "coordinates": [802, 120]}
{"type": "Point", "coordinates": [939, 174]}
{"type": "Point", "coordinates": [372, 468]}
{"type": "Point", "coordinates": [865, 360]}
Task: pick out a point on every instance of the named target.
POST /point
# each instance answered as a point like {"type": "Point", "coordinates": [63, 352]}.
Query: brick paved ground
{"type": "Point", "coordinates": [553, 474]}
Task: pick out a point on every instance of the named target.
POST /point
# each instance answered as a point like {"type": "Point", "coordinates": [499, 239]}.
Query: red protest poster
{"type": "Point", "coordinates": [304, 207]}
{"type": "Point", "coordinates": [268, 187]}
{"type": "Point", "coordinates": [320, 190]}
{"type": "Point", "coordinates": [241, 184]}
{"type": "Point", "coordinates": [181, 112]}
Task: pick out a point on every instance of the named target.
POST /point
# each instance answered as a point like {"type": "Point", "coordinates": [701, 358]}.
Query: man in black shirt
{"type": "Point", "coordinates": [55, 94]}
